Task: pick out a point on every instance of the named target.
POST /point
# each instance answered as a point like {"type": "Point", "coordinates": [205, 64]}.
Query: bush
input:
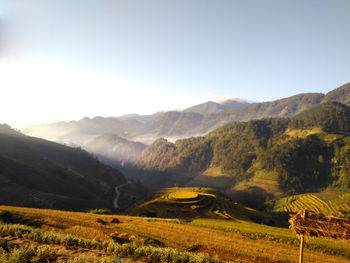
{"type": "Point", "coordinates": [100, 211]}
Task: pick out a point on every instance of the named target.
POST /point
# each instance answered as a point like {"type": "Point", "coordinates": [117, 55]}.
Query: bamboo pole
{"type": "Point", "coordinates": [301, 249]}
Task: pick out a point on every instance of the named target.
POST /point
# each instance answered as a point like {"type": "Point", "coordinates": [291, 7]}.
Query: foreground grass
{"type": "Point", "coordinates": [147, 253]}
{"type": "Point", "coordinates": [228, 239]}
{"type": "Point", "coordinates": [276, 234]}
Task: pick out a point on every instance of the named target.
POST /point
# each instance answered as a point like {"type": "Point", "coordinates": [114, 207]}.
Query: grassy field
{"type": "Point", "coordinates": [328, 202]}
{"type": "Point", "coordinates": [161, 240]}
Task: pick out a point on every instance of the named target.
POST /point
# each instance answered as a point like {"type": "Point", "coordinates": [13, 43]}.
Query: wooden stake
{"type": "Point", "coordinates": [301, 241]}
{"type": "Point", "coordinates": [301, 249]}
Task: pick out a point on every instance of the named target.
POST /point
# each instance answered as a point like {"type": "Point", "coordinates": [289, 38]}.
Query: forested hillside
{"type": "Point", "coordinates": [306, 153]}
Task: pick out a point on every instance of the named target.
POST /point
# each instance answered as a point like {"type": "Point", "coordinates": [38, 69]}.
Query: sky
{"type": "Point", "coordinates": [64, 60]}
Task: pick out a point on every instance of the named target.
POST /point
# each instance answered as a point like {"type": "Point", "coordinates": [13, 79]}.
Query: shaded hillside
{"type": "Point", "coordinates": [38, 173]}
{"type": "Point", "coordinates": [114, 147]}
{"type": "Point", "coordinates": [300, 158]}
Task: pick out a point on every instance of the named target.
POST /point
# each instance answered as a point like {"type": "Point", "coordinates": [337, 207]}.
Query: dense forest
{"type": "Point", "coordinates": [308, 152]}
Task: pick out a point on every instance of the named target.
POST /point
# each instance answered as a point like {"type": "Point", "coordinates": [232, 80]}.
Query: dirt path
{"type": "Point", "coordinates": [117, 193]}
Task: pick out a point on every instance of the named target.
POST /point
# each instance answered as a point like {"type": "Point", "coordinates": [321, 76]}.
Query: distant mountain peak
{"type": "Point", "coordinates": [210, 107]}
{"type": "Point", "coordinates": [223, 100]}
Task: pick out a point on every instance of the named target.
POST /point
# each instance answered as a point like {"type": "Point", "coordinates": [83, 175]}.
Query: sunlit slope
{"type": "Point", "coordinates": [228, 239]}
{"type": "Point", "coordinates": [192, 202]}
{"type": "Point", "coordinates": [329, 203]}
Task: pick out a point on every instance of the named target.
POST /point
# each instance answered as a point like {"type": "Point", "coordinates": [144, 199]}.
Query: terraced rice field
{"type": "Point", "coordinates": [192, 202]}
{"type": "Point", "coordinates": [326, 203]}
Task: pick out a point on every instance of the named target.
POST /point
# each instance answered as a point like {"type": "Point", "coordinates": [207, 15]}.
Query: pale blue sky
{"type": "Point", "coordinates": [108, 57]}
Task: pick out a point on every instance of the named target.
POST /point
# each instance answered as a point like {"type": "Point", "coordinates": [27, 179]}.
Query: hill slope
{"type": "Point", "coordinates": [341, 94]}
{"type": "Point", "coordinates": [38, 173]}
{"type": "Point", "coordinates": [304, 154]}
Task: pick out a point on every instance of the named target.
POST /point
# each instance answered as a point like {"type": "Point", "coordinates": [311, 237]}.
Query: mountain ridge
{"type": "Point", "coordinates": [180, 124]}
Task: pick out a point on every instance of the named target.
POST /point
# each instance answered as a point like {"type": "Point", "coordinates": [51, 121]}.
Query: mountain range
{"type": "Point", "coordinates": [193, 121]}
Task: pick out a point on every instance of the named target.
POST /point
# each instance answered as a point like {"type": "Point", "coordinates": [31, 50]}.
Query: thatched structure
{"type": "Point", "coordinates": [309, 223]}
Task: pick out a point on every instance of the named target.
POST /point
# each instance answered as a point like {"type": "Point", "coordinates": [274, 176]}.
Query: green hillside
{"type": "Point", "coordinates": [333, 117]}
{"type": "Point", "coordinates": [38, 173]}
{"type": "Point", "coordinates": [265, 158]}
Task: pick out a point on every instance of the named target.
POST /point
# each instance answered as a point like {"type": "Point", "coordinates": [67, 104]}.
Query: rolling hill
{"type": "Point", "coordinates": [39, 173]}
{"type": "Point", "coordinates": [267, 157]}
{"type": "Point", "coordinates": [192, 202]}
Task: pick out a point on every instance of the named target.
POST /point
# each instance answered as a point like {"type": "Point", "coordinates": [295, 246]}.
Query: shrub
{"type": "Point", "coordinates": [100, 211]}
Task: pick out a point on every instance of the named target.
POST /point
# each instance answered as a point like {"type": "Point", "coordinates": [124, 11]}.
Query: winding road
{"type": "Point", "coordinates": [115, 201]}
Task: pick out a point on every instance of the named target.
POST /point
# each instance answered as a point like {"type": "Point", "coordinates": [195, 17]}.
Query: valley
{"type": "Point", "coordinates": [223, 196]}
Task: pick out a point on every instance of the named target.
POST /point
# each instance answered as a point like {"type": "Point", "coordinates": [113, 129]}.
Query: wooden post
{"type": "Point", "coordinates": [301, 241]}
{"type": "Point", "coordinates": [301, 249]}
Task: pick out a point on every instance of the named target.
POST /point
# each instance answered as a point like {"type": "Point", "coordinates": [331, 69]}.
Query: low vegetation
{"type": "Point", "coordinates": [211, 239]}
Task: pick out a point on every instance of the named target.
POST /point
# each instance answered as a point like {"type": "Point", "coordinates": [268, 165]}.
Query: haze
{"type": "Point", "coordinates": [63, 60]}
